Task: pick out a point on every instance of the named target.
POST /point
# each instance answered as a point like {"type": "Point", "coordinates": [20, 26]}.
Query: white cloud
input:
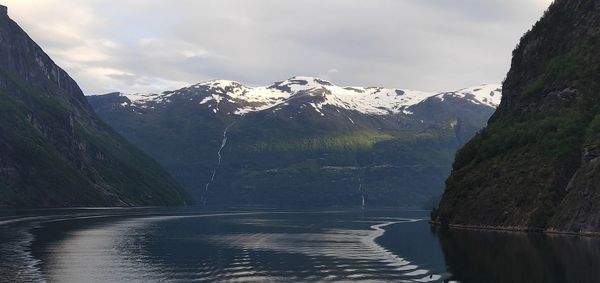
{"type": "Point", "coordinates": [154, 45]}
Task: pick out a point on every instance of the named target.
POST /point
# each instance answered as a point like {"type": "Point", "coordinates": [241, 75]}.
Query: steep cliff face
{"type": "Point", "coordinates": [536, 164]}
{"type": "Point", "coordinates": [54, 150]}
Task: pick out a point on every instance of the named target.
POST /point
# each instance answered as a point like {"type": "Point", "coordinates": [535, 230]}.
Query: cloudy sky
{"type": "Point", "coordinates": [156, 45]}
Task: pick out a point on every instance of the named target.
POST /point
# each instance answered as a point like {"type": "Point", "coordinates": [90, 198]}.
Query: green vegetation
{"type": "Point", "coordinates": [572, 66]}
{"type": "Point", "coordinates": [357, 141]}
{"type": "Point", "coordinates": [54, 150]}
{"type": "Point", "coordinates": [548, 136]}
{"type": "Point", "coordinates": [529, 168]}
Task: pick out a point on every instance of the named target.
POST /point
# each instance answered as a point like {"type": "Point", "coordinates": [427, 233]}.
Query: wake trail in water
{"type": "Point", "coordinates": [219, 157]}
{"type": "Point", "coordinates": [399, 264]}
{"type": "Point", "coordinates": [338, 254]}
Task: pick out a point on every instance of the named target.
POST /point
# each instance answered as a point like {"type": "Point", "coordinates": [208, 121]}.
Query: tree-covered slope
{"type": "Point", "coordinates": [54, 150]}
{"type": "Point", "coordinates": [536, 165]}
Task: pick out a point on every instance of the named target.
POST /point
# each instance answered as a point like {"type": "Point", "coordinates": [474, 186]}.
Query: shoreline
{"type": "Point", "coordinates": [437, 224]}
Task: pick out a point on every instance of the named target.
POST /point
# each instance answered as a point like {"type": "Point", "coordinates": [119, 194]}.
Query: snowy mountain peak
{"type": "Point", "coordinates": [487, 94]}
{"type": "Point", "coordinates": [300, 83]}
{"type": "Point", "coordinates": [312, 81]}
{"type": "Point", "coordinates": [142, 99]}
{"type": "Point", "coordinates": [367, 100]}
{"type": "Point", "coordinates": [223, 84]}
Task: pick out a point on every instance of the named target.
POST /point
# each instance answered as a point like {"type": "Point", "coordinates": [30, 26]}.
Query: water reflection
{"type": "Point", "coordinates": [492, 256]}
{"type": "Point", "coordinates": [205, 246]}
{"type": "Point", "coordinates": [278, 246]}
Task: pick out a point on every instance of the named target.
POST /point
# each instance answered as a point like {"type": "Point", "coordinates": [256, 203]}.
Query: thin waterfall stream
{"type": "Point", "coordinates": [362, 193]}
{"type": "Point", "coordinates": [219, 157]}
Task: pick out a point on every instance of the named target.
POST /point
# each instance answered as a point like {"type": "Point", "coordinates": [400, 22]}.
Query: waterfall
{"type": "Point", "coordinates": [362, 193]}
{"type": "Point", "coordinates": [219, 157]}
{"type": "Point", "coordinates": [363, 200]}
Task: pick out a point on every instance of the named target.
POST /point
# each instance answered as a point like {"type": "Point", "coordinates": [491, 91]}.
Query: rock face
{"type": "Point", "coordinates": [303, 141]}
{"type": "Point", "coordinates": [536, 164]}
{"type": "Point", "coordinates": [54, 150]}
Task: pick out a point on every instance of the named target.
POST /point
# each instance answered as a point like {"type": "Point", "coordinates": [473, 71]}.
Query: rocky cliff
{"type": "Point", "coordinates": [536, 165]}
{"type": "Point", "coordinates": [54, 150]}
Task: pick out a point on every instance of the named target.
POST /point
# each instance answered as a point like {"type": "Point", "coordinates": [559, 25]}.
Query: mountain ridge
{"type": "Point", "coordinates": [367, 100]}
{"type": "Point", "coordinates": [302, 141]}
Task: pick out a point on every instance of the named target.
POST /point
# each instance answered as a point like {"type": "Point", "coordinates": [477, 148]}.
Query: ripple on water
{"type": "Point", "coordinates": [123, 251]}
{"type": "Point", "coordinates": [18, 264]}
{"type": "Point", "coordinates": [336, 254]}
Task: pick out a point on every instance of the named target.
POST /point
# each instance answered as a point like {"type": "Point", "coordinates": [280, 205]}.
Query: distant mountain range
{"type": "Point", "coordinates": [54, 150]}
{"type": "Point", "coordinates": [234, 98]}
{"type": "Point", "coordinates": [302, 141]}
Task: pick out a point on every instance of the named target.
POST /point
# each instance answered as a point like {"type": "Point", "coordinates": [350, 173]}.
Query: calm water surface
{"type": "Point", "coordinates": [160, 245]}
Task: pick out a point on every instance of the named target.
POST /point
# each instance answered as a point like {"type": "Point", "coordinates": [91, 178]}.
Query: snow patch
{"type": "Point", "coordinates": [487, 94]}
{"type": "Point", "coordinates": [366, 100]}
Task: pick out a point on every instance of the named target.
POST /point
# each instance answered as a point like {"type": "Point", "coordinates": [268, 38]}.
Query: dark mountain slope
{"type": "Point", "coordinates": [536, 165]}
{"type": "Point", "coordinates": [302, 141]}
{"type": "Point", "coordinates": [54, 151]}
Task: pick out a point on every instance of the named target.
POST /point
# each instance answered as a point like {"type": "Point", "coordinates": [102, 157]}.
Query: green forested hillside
{"type": "Point", "coordinates": [54, 150]}
{"type": "Point", "coordinates": [535, 165]}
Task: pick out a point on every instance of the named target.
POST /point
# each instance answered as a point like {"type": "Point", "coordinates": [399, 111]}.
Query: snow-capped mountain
{"type": "Point", "coordinates": [302, 141]}
{"type": "Point", "coordinates": [239, 99]}
{"type": "Point", "coordinates": [487, 94]}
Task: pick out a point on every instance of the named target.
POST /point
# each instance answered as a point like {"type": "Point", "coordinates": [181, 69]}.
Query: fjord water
{"type": "Point", "coordinates": [168, 245]}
